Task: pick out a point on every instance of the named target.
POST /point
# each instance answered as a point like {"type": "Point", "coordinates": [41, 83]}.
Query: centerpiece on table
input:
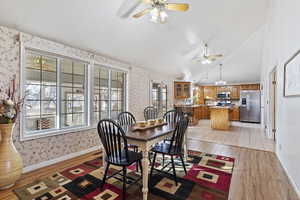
{"type": "Point", "coordinates": [10, 160]}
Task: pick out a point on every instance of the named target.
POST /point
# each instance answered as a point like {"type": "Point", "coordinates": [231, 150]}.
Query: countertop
{"type": "Point", "coordinates": [211, 106]}
{"type": "Point", "coordinates": [221, 107]}
{"type": "Point", "coordinates": [190, 106]}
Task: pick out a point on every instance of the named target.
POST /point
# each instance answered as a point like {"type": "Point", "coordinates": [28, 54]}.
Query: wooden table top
{"type": "Point", "coordinates": [149, 134]}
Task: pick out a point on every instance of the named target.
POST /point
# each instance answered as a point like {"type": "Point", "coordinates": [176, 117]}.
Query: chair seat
{"type": "Point", "coordinates": [132, 156]}
{"type": "Point", "coordinates": [132, 146]}
{"type": "Point", "coordinates": [164, 149]}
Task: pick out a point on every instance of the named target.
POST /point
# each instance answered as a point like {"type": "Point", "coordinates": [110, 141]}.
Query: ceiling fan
{"type": "Point", "coordinates": [206, 57]}
{"type": "Point", "coordinates": [158, 9]}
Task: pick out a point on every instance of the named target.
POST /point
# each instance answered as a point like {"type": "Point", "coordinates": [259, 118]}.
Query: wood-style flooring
{"type": "Point", "coordinates": [240, 135]}
{"type": "Point", "coordinates": [257, 175]}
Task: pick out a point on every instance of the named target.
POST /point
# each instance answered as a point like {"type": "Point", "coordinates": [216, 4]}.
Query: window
{"type": "Point", "coordinates": [109, 93]}
{"type": "Point", "coordinates": [55, 91]}
{"type": "Point", "coordinates": [159, 95]}
{"type": "Point", "coordinates": [72, 93]}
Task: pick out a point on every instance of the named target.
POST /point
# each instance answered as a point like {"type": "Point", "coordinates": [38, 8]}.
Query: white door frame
{"type": "Point", "coordinates": [273, 102]}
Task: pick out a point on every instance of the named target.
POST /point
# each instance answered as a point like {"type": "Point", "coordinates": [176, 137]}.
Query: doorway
{"type": "Point", "coordinates": [273, 101]}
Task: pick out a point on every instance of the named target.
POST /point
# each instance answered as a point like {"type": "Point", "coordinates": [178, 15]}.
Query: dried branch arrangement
{"type": "Point", "coordinates": [10, 105]}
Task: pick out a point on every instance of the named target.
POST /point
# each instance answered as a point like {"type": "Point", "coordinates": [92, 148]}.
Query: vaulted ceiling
{"type": "Point", "coordinates": [231, 27]}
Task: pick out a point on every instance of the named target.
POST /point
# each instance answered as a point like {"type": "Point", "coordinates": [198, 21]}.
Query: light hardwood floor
{"type": "Point", "coordinates": [240, 135]}
{"type": "Point", "coordinates": [257, 175]}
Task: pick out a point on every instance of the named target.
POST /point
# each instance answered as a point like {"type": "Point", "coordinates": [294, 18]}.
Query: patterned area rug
{"type": "Point", "coordinates": [208, 178]}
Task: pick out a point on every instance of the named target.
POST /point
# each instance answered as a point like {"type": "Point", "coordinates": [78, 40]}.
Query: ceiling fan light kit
{"type": "Point", "coordinates": [207, 58]}
{"type": "Point", "coordinates": [158, 10]}
{"type": "Point", "coordinates": [158, 15]}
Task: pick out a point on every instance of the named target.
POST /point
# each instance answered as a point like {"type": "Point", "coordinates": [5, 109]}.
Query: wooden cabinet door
{"type": "Point", "coordinates": [235, 114]}
{"type": "Point", "coordinates": [186, 90]}
{"type": "Point", "coordinates": [250, 87]}
{"type": "Point", "coordinates": [210, 92]}
{"type": "Point", "coordinates": [182, 90]}
{"type": "Point", "coordinates": [221, 89]}
{"type": "Point", "coordinates": [235, 92]}
{"type": "Point", "coordinates": [199, 93]}
{"type": "Point", "coordinates": [177, 91]}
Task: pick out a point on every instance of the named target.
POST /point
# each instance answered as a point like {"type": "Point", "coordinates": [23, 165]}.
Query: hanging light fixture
{"type": "Point", "coordinates": [221, 81]}
{"type": "Point", "coordinates": [158, 15]}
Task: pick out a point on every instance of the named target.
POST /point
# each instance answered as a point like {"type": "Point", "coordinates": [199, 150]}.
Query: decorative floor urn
{"type": "Point", "coordinates": [10, 160]}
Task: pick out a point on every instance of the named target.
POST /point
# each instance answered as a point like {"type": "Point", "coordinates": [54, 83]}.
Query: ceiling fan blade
{"type": "Point", "coordinates": [147, 1]}
{"type": "Point", "coordinates": [127, 7]}
{"type": "Point", "coordinates": [177, 6]}
{"type": "Point", "coordinates": [144, 12]}
{"type": "Point", "coordinates": [216, 56]}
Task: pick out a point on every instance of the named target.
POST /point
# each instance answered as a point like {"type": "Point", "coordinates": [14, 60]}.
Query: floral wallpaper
{"type": "Point", "coordinates": [48, 148]}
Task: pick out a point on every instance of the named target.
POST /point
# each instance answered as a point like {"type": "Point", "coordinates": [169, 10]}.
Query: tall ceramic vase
{"type": "Point", "coordinates": [10, 160]}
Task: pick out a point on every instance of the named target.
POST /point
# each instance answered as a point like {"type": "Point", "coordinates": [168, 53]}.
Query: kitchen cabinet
{"type": "Point", "coordinates": [205, 112]}
{"type": "Point", "coordinates": [235, 92]}
{"type": "Point", "coordinates": [210, 92]}
{"type": "Point", "coordinates": [193, 111]}
{"type": "Point", "coordinates": [250, 87]}
{"type": "Point", "coordinates": [220, 118]}
{"type": "Point", "coordinates": [235, 114]}
{"type": "Point", "coordinates": [221, 89]}
{"type": "Point", "coordinates": [199, 95]}
{"type": "Point", "coordinates": [182, 90]}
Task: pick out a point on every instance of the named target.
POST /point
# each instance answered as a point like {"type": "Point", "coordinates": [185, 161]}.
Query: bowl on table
{"type": "Point", "coordinates": [159, 121]}
{"type": "Point", "coordinates": [141, 124]}
{"type": "Point", "coordinates": [151, 122]}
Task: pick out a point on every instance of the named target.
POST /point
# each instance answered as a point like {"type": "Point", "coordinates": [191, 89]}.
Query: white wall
{"type": "Point", "coordinates": [282, 40]}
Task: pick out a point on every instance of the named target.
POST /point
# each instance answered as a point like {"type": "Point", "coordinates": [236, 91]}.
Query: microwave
{"type": "Point", "coordinates": [223, 95]}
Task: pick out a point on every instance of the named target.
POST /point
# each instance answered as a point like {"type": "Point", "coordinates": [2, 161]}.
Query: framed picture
{"type": "Point", "coordinates": [292, 76]}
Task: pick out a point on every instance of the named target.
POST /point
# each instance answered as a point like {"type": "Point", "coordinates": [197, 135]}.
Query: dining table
{"type": "Point", "coordinates": [145, 139]}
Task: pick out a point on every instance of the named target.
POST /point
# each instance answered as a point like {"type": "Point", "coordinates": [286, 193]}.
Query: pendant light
{"type": "Point", "coordinates": [221, 81]}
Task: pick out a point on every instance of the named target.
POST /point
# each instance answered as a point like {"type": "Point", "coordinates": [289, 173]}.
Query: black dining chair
{"type": "Point", "coordinates": [117, 153]}
{"type": "Point", "coordinates": [172, 149]}
{"type": "Point", "coordinates": [171, 117]}
{"type": "Point", "coordinates": [128, 119]}
{"type": "Point", "coordinates": [150, 112]}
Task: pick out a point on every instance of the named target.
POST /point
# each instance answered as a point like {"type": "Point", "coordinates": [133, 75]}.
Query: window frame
{"type": "Point", "coordinates": [126, 86]}
{"type": "Point", "coordinates": [89, 89]}
{"type": "Point", "coordinates": [151, 93]}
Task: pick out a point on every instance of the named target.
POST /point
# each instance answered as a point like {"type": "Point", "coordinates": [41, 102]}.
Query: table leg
{"type": "Point", "coordinates": [185, 149]}
{"type": "Point", "coordinates": [145, 172]}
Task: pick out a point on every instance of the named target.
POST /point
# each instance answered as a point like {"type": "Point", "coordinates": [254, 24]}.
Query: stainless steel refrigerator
{"type": "Point", "coordinates": [250, 106]}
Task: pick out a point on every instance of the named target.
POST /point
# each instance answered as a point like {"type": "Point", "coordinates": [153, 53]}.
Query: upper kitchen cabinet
{"type": "Point", "coordinates": [234, 91]}
{"type": "Point", "coordinates": [221, 89]}
{"type": "Point", "coordinates": [199, 94]}
{"type": "Point", "coordinates": [182, 90]}
{"type": "Point", "coordinates": [210, 92]}
{"type": "Point", "coordinates": [250, 87]}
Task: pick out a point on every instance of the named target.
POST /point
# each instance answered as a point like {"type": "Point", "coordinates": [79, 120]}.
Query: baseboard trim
{"type": "Point", "coordinates": [60, 159]}
{"type": "Point", "coordinates": [289, 177]}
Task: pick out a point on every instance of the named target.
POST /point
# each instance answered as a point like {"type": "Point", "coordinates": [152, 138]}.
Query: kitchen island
{"type": "Point", "coordinates": [220, 117]}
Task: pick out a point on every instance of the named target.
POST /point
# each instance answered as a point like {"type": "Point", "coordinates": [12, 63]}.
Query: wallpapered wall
{"type": "Point", "coordinates": [48, 148]}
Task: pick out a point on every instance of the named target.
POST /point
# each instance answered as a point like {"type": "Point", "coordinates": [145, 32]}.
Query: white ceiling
{"type": "Point", "coordinates": [232, 27]}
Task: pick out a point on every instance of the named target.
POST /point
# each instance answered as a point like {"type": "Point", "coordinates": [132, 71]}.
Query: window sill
{"type": "Point", "coordinates": [26, 137]}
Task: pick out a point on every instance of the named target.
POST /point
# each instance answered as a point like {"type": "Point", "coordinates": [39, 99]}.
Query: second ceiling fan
{"type": "Point", "coordinates": [158, 9]}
